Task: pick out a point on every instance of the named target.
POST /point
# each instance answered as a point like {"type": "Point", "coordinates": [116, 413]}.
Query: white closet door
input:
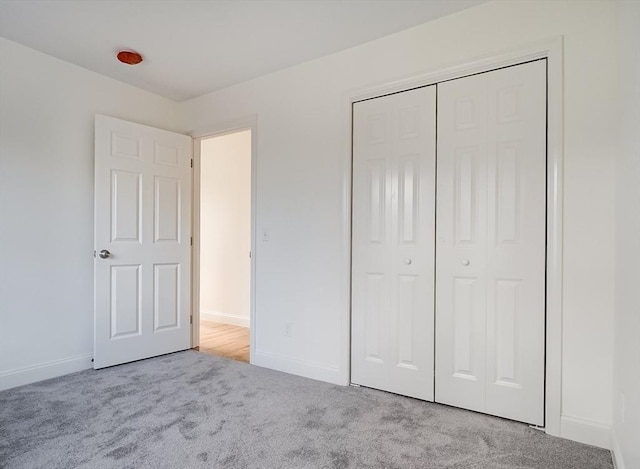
{"type": "Point", "coordinates": [393, 243]}
{"type": "Point", "coordinates": [490, 248]}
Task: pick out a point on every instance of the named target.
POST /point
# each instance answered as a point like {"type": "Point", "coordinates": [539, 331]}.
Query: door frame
{"type": "Point", "coordinates": [212, 131]}
{"type": "Point", "coordinates": [550, 49]}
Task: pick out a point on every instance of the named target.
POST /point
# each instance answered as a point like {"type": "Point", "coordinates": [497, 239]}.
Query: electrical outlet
{"type": "Point", "coordinates": [288, 329]}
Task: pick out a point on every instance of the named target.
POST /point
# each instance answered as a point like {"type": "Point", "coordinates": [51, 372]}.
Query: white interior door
{"type": "Point", "coordinates": [142, 241]}
{"type": "Point", "coordinates": [490, 247]}
{"type": "Point", "coordinates": [393, 242]}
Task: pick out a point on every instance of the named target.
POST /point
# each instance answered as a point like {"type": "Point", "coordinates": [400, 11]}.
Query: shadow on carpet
{"type": "Point", "coordinates": [189, 410]}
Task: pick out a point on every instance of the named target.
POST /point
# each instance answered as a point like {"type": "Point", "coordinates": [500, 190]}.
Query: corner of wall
{"type": "Point", "coordinates": [225, 318]}
{"type": "Point", "coordinates": [586, 431]}
{"type": "Point", "coordinates": [48, 370]}
{"type": "Point", "coordinates": [616, 451]}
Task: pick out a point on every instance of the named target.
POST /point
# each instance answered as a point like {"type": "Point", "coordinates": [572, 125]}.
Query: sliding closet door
{"type": "Point", "coordinates": [393, 242]}
{"type": "Point", "coordinates": [490, 248]}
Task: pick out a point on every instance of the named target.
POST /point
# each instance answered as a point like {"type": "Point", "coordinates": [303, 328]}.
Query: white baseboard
{"type": "Point", "coordinates": [586, 431]}
{"type": "Point", "coordinates": [294, 366]}
{"type": "Point", "coordinates": [224, 318]}
{"type": "Point", "coordinates": [616, 451]}
{"type": "Point", "coordinates": [52, 369]}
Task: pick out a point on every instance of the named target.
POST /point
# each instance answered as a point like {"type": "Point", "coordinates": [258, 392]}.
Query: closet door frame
{"type": "Point", "coordinates": [552, 51]}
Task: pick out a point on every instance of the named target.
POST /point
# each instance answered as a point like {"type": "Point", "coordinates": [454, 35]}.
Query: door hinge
{"type": "Point", "coordinates": [249, 254]}
{"type": "Point", "coordinates": [191, 319]}
{"type": "Point", "coordinates": [94, 254]}
{"type": "Point", "coordinates": [192, 162]}
{"type": "Point", "coordinates": [191, 241]}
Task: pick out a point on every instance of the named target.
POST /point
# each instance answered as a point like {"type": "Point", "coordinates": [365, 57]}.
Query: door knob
{"type": "Point", "coordinates": [465, 262]}
{"type": "Point", "coordinates": [104, 254]}
{"type": "Point", "coordinates": [408, 261]}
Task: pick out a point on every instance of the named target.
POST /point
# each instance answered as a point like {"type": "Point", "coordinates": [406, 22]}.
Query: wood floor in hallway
{"type": "Point", "coordinates": [224, 340]}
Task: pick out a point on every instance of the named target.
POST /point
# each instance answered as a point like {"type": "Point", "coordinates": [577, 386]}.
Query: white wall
{"type": "Point", "coordinates": [302, 157]}
{"type": "Point", "coordinates": [626, 385]}
{"type": "Point", "coordinates": [46, 206]}
{"type": "Point", "coordinates": [225, 228]}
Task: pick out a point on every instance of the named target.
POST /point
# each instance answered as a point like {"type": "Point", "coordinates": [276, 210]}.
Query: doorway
{"type": "Point", "coordinates": [223, 267]}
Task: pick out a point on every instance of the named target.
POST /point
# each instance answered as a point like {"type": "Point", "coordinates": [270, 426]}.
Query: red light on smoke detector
{"type": "Point", "coordinates": [129, 57]}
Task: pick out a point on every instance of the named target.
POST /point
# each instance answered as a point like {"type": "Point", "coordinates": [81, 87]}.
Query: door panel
{"type": "Point", "coordinates": [166, 202]}
{"type": "Point", "coordinates": [393, 244]}
{"type": "Point", "coordinates": [126, 188]}
{"type": "Point", "coordinates": [142, 217]}
{"type": "Point", "coordinates": [490, 248]}
{"type": "Point", "coordinates": [125, 300]}
{"type": "Point", "coordinates": [166, 295]}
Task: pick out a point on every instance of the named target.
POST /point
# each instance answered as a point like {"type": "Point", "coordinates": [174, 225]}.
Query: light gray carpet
{"type": "Point", "coordinates": [193, 410]}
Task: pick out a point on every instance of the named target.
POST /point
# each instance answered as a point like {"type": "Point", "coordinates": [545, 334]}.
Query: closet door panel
{"type": "Point", "coordinates": [393, 243]}
{"type": "Point", "coordinates": [460, 246]}
{"type": "Point", "coordinates": [516, 251]}
{"type": "Point", "coordinates": [490, 248]}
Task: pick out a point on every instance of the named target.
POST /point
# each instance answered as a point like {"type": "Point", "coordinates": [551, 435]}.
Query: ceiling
{"type": "Point", "coordinates": [192, 47]}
